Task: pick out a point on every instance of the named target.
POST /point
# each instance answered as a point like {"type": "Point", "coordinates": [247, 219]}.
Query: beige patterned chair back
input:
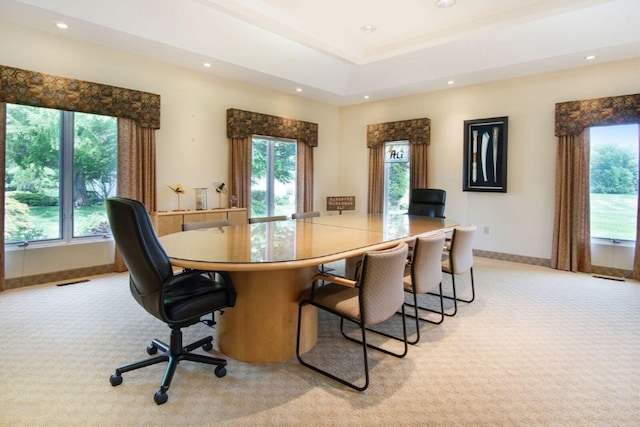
{"type": "Point", "coordinates": [426, 267]}
{"type": "Point", "coordinates": [461, 253]}
{"type": "Point", "coordinates": [381, 285]}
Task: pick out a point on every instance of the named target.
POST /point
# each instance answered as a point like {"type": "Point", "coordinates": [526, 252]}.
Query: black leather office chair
{"type": "Point", "coordinates": [179, 300]}
{"type": "Point", "coordinates": [427, 202]}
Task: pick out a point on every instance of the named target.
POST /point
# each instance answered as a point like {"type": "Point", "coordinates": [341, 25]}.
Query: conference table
{"type": "Point", "coordinates": [271, 264]}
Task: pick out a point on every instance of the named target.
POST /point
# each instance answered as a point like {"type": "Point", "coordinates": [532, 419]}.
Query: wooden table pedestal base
{"type": "Point", "coordinates": [262, 326]}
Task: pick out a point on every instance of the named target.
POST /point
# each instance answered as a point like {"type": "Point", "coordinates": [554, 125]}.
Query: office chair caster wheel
{"type": "Point", "coordinates": [220, 371]}
{"type": "Point", "coordinates": [115, 379]}
{"type": "Point", "coordinates": [151, 349]}
{"type": "Point", "coordinates": [160, 397]}
{"type": "Point", "coordinates": [207, 346]}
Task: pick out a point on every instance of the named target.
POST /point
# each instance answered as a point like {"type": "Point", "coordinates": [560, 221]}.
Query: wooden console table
{"type": "Point", "coordinates": [168, 222]}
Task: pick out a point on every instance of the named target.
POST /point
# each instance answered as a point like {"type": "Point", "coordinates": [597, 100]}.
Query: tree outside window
{"type": "Point", "coordinates": [60, 166]}
{"type": "Point", "coordinates": [273, 176]}
{"type": "Point", "coordinates": [396, 177]}
{"type": "Point", "coordinates": [614, 181]}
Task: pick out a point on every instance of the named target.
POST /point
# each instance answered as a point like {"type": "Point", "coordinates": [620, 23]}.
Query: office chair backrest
{"type": "Point", "coordinates": [148, 263]}
{"type": "Point", "coordinates": [299, 215]}
{"type": "Point", "coordinates": [427, 202]}
{"type": "Point", "coordinates": [381, 284]}
{"type": "Point", "coordinates": [461, 252]}
{"type": "Point", "coordinates": [196, 225]}
{"type": "Point", "coordinates": [426, 263]}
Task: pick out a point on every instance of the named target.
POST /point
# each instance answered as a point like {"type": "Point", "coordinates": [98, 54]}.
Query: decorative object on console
{"type": "Point", "coordinates": [201, 198]}
{"type": "Point", "coordinates": [178, 189]}
{"type": "Point", "coordinates": [220, 189]}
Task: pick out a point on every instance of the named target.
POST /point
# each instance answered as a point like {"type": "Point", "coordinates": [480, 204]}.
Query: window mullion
{"type": "Point", "coordinates": [66, 174]}
{"type": "Point", "coordinates": [270, 177]}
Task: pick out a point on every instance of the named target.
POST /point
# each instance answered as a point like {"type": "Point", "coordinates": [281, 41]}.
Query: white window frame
{"type": "Point", "coordinates": [609, 241]}
{"type": "Point", "coordinates": [66, 172]}
{"type": "Point", "coordinates": [270, 169]}
{"type": "Point", "coordinates": [390, 158]}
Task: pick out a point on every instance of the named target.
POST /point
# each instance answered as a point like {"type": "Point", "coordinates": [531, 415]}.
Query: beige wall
{"type": "Point", "coordinates": [519, 222]}
{"type": "Point", "coordinates": [193, 148]}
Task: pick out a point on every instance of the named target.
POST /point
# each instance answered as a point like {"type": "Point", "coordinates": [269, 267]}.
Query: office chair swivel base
{"type": "Point", "coordinates": [173, 354]}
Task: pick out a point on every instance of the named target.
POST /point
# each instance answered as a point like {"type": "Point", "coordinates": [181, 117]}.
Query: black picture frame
{"type": "Point", "coordinates": [485, 155]}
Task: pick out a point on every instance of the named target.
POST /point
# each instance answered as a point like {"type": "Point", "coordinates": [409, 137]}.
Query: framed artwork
{"type": "Point", "coordinates": [485, 155]}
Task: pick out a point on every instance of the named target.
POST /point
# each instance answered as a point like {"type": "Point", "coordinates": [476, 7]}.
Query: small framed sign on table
{"type": "Point", "coordinates": [341, 203]}
{"type": "Point", "coordinates": [485, 155]}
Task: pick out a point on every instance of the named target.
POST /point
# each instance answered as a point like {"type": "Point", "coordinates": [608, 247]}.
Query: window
{"type": "Point", "coordinates": [614, 181]}
{"type": "Point", "coordinates": [60, 166]}
{"type": "Point", "coordinates": [396, 177]}
{"type": "Point", "coordinates": [273, 176]}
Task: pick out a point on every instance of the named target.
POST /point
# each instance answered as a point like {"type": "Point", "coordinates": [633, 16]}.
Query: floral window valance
{"type": "Point", "coordinates": [243, 124]}
{"type": "Point", "coordinates": [416, 131]}
{"type": "Point", "coordinates": [43, 90]}
{"type": "Point", "coordinates": [574, 116]}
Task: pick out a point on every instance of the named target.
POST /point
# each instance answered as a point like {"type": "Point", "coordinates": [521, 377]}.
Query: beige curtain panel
{"type": "Point", "coordinates": [375, 197]}
{"type": "Point", "coordinates": [136, 168]}
{"type": "Point", "coordinates": [571, 236]}
{"type": "Point", "coordinates": [305, 178]}
{"type": "Point", "coordinates": [240, 182]}
{"type": "Point", "coordinates": [418, 165]}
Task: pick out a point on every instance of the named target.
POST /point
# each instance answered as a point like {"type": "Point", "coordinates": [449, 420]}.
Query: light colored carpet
{"type": "Point", "coordinates": [537, 347]}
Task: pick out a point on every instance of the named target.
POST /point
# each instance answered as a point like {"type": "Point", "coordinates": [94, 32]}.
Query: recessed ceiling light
{"type": "Point", "coordinates": [366, 97]}
{"type": "Point", "coordinates": [445, 3]}
{"type": "Point", "coordinates": [62, 25]}
{"type": "Point", "coordinates": [368, 28]}
{"type": "Point", "coordinates": [206, 65]}
{"type": "Point", "coordinates": [590, 57]}
{"type": "Point", "coordinates": [450, 82]}
{"type": "Point", "coordinates": [299, 89]}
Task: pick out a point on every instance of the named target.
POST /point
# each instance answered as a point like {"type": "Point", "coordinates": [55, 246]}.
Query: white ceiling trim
{"type": "Point", "coordinates": [284, 44]}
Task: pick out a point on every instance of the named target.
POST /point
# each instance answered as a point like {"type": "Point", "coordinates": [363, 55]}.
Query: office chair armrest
{"type": "Point", "coordinates": [335, 279]}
